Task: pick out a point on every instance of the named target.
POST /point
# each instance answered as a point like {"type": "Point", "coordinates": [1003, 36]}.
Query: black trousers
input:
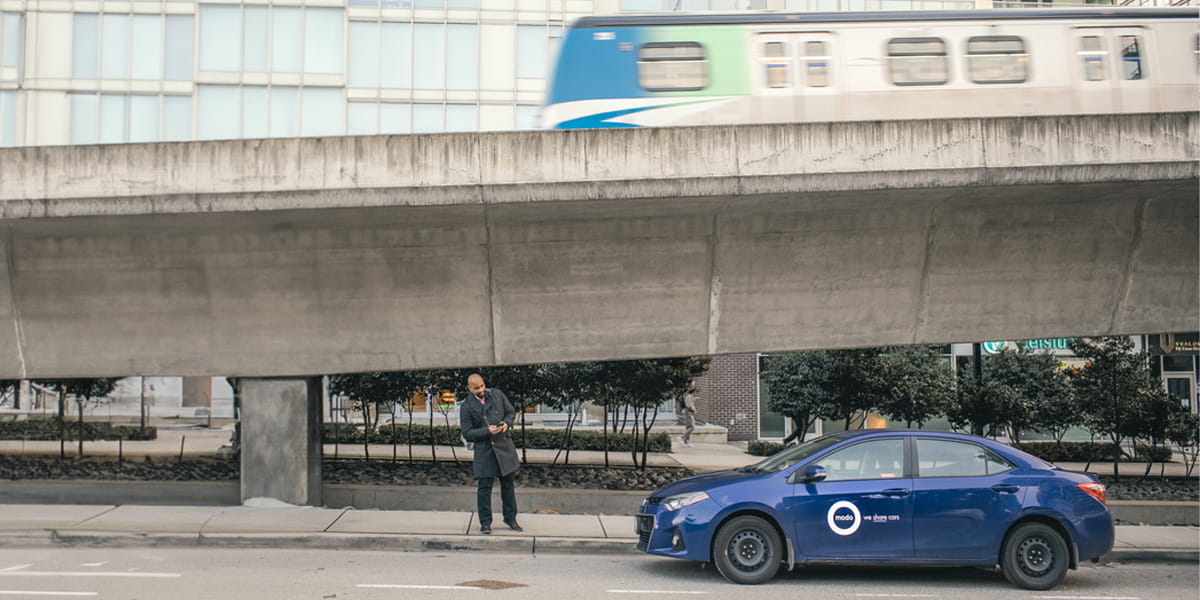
{"type": "Point", "coordinates": [508, 498]}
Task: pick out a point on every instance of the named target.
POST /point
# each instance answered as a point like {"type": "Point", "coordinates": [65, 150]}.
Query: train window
{"type": "Point", "coordinates": [776, 63]}
{"type": "Point", "coordinates": [1092, 53]}
{"type": "Point", "coordinates": [816, 61]}
{"type": "Point", "coordinates": [997, 59]}
{"type": "Point", "coordinates": [1131, 57]}
{"type": "Point", "coordinates": [672, 66]}
{"type": "Point", "coordinates": [918, 61]}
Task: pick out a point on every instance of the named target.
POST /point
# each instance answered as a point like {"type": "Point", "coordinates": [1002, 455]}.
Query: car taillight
{"type": "Point", "coordinates": [1095, 490]}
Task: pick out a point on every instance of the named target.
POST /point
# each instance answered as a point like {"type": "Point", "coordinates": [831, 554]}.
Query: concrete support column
{"type": "Point", "coordinates": [281, 439]}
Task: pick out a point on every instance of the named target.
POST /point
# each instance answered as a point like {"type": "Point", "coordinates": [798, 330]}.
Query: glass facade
{"type": "Point", "coordinates": [188, 70]}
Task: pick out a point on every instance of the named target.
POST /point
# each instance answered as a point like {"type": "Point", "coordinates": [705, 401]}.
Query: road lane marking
{"type": "Point", "coordinates": [95, 564]}
{"type": "Point", "coordinates": [401, 586]}
{"type": "Point", "coordinates": [15, 568]}
{"type": "Point", "coordinates": [33, 593]}
{"type": "Point", "coordinates": [86, 574]}
{"type": "Point", "coordinates": [655, 592]}
{"type": "Point", "coordinates": [896, 595]}
{"type": "Point", "coordinates": [1085, 598]}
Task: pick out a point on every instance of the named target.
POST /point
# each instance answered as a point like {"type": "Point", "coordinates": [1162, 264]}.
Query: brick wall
{"type": "Point", "coordinates": [728, 395]}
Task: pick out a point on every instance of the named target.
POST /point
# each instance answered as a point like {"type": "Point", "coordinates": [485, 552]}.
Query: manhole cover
{"type": "Point", "coordinates": [491, 584]}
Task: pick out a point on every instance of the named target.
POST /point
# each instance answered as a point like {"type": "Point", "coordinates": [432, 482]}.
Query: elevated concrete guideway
{"type": "Point", "coordinates": [307, 256]}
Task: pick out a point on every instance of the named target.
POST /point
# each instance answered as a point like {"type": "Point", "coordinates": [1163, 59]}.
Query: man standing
{"type": "Point", "coordinates": [685, 411]}
{"type": "Point", "coordinates": [485, 418]}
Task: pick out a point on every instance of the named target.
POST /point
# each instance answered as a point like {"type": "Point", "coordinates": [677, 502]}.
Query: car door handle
{"type": "Point", "coordinates": [1005, 488]}
{"type": "Point", "coordinates": [899, 492]}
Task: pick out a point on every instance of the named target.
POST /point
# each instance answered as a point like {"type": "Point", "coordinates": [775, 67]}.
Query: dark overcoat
{"type": "Point", "coordinates": [495, 455]}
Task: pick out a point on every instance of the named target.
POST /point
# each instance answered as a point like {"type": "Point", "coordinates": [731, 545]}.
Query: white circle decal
{"type": "Point", "coordinates": [835, 519]}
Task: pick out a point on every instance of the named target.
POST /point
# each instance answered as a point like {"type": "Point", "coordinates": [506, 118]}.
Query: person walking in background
{"type": "Point", "coordinates": [685, 411]}
{"type": "Point", "coordinates": [485, 418]}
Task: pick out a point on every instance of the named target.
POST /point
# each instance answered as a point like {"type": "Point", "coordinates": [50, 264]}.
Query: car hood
{"type": "Point", "coordinates": [704, 482]}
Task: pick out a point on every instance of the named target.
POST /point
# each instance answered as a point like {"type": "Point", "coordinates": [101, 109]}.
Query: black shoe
{"type": "Point", "coordinates": [514, 526]}
{"type": "Point", "coordinates": [485, 529]}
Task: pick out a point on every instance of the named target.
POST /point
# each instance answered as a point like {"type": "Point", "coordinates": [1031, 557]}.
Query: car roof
{"type": "Point", "coordinates": [855, 433]}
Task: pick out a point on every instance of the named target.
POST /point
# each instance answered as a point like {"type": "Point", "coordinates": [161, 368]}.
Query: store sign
{"type": "Point", "coordinates": [1033, 345]}
{"type": "Point", "coordinates": [1175, 343]}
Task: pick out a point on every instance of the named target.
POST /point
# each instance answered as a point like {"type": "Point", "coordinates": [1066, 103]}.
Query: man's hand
{"type": "Point", "coordinates": [495, 429]}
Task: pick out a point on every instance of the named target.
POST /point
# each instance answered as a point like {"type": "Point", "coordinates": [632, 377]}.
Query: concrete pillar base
{"type": "Point", "coordinates": [281, 439]}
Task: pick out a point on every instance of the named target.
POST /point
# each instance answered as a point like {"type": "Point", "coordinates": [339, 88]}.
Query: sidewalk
{"type": "Point", "coordinates": [306, 527]}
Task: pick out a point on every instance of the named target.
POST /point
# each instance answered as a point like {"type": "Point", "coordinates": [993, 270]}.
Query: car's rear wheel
{"type": "Point", "coordinates": [1034, 557]}
{"type": "Point", "coordinates": [748, 550]}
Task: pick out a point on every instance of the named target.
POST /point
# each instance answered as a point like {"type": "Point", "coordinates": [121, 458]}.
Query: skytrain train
{"type": "Point", "coordinates": [702, 69]}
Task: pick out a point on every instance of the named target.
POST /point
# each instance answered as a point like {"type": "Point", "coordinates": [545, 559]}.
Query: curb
{"type": "Point", "coordinates": [1165, 555]}
{"type": "Point", "coordinates": [323, 541]}
{"type": "Point", "coordinates": [416, 543]}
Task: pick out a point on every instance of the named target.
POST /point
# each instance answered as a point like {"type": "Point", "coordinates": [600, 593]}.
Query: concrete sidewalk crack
{"type": "Point", "coordinates": [112, 508]}
{"type": "Point", "coordinates": [339, 518]}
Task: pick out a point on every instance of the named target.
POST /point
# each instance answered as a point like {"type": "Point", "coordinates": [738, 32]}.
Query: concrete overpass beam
{"type": "Point", "coordinates": [281, 439]}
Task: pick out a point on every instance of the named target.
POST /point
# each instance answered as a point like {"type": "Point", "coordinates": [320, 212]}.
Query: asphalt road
{"type": "Point", "coordinates": [258, 574]}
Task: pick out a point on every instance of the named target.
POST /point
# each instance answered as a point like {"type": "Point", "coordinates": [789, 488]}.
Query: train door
{"type": "Point", "coordinates": [1112, 70]}
{"type": "Point", "coordinates": [795, 77]}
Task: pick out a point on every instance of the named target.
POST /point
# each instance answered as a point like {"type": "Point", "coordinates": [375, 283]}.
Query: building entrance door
{"type": "Point", "coordinates": [1183, 388]}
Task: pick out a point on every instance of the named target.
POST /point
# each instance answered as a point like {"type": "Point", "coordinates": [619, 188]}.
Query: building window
{"type": "Point", "coordinates": [122, 46]}
{"type": "Point", "coordinates": [1092, 54]}
{"type": "Point", "coordinates": [10, 44]}
{"type": "Point", "coordinates": [429, 72]}
{"type": "Point", "coordinates": [323, 40]}
{"type": "Point", "coordinates": [672, 66]}
{"type": "Point", "coordinates": [380, 55]}
{"type": "Point", "coordinates": [322, 112]}
{"type": "Point", "coordinates": [462, 55]}
{"type": "Point", "coordinates": [1132, 66]}
{"type": "Point", "coordinates": [122, 118]}
{"type": "Point", "coordinates": [386, 118]}
{"type": "Point", "coordinates": [527, 117]}
{"type": "Point", "coordinates": [534, 47]}
{"type": "Point", "coordinates": [8, 119]}
{"type": "Point", "coordinates": [918, 61]}
{"type": "Point", "coordinates": [271, 39]}
{"type": "Point", "coordinates": [997, 59]}
{"type": "Point", "coordinates": [675, 5]}
{"type": "Point", "coordinates": [225, 112]}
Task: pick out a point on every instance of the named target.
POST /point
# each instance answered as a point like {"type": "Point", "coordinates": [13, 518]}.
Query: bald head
{"type": "Point", "coordinates": [475, 385]}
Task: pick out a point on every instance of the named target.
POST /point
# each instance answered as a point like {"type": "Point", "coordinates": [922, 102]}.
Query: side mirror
{"type": "Point", "coordinates": [813, 474]}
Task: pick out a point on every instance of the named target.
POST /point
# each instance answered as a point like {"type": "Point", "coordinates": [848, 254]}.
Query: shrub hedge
{"type": "Point", "coordinates": [47, 429]}
{"type": "Point", "coordinates": [1092, 451]}
{"type": "Point", "coordinates": [763, 448]}
{"type": "Point", "coordinates": [549, 439]}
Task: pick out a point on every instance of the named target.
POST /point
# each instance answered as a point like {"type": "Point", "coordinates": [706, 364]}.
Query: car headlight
{"type": "Point", "coordinates": [682, 500]}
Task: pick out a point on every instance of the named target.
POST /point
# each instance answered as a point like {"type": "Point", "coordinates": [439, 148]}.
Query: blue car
{"type": "Point", "coordinates": [884, 497]}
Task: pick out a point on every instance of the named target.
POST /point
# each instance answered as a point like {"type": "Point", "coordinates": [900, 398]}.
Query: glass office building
{"type": "Point", "coordinates": [103, 71]}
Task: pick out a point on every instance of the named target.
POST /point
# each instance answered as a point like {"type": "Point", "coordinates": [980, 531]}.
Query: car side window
{"type": "Point", "coordinates": [946, 458]}
{"type": "Point", "coordinates": [875, 459]}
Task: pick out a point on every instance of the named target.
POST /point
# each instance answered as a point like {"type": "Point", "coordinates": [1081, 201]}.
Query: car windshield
{"type": "Point", "coordinates": [790, 456]}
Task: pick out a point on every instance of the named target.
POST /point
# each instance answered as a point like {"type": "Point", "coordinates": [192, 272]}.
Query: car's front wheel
{"type": "Point", "coordinates": [1034, 557]}
{"type": "Point", "coordinates": [748, 550]}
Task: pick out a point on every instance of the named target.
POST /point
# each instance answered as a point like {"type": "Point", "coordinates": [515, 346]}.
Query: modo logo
{"type": "Point", "coordinates": [836, 520]}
